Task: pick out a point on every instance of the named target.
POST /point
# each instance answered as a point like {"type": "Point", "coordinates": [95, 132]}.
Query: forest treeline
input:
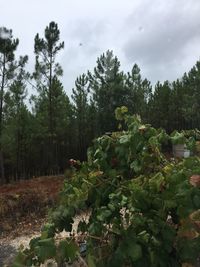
{"type": "Point", "coordinates": [39, 138]}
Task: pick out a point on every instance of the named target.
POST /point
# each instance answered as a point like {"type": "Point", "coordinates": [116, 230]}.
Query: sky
{"type": "Point", "coordinates": [161, 36]}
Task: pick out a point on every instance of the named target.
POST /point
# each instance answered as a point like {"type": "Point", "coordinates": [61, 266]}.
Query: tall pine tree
{"type": "Point", "coordinates": [46, 75]}
{"type": "Point", "coordinates": [8, 70]}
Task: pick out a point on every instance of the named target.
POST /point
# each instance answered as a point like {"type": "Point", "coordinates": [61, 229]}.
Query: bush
{"type": "Point", "coordinates": [144, 208]}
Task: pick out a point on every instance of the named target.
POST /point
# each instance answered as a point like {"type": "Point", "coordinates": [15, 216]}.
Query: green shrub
{"type": "Point", "coordinates": [140, 204]}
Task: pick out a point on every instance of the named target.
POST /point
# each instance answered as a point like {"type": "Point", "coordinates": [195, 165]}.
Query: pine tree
{"type": "Point", "coordinates": [16, 132]}
{"type": "Point", "coordinates": [191, 101]}
{"type": "Point", "coordinates": [159, 106]}
{"type": "Point", "coordinates": [177, 116]}
{"type": "Point", "coordinates": [8, 70]}
{"type": "Point", "coordinates": [138, 92]}
{"type": "Point", "coordinates": [52, 156]}
{"type": "Point", "coordinates": [107, 90]}
{"type": "Point", "coordinates": [81, 112]}
{"type": "Point", "coordinates": [46, 75]}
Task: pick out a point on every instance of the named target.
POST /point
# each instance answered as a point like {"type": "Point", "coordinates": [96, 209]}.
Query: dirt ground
{"type": "Point", "coordinates": [23, 210]}
{"type": "Point", "coordinates": [24, 204]}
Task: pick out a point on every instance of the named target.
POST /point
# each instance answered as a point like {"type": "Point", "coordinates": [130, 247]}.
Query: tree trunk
{"type": "Point", "coordinates": [2, 181]}
{"type": "Point", "coordinates": [50, 152]}
{"type": "Point", "coordinates": [1, 122]}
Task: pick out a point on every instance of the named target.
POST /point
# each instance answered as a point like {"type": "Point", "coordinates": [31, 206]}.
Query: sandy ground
{"type": "Point", "coordinates": [9, 245]}
{"type": "Point", "coordinates": [9, 248]}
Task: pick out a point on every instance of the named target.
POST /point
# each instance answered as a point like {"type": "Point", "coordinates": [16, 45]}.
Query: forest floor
{"type": "Point", "coordinates": [23, 211]}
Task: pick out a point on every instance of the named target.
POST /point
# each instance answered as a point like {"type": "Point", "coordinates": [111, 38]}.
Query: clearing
{"type": "Point", "coordinates": [23, 210]}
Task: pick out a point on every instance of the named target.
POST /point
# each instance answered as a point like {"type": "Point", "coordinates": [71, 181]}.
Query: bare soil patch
{"type": "Point", "coordinates": [24, 205]}
{"type": "Point", "coordinates": [23, 210]}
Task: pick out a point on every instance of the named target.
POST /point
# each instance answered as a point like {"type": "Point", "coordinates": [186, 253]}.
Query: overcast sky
{"type": "Point", "coordinates": [161, 36]}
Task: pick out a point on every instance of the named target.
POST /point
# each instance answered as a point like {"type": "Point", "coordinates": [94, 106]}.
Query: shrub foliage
{"type": "Point", "coordinates": [144, 208]}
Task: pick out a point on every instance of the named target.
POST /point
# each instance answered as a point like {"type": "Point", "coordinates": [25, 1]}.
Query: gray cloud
{"type": "Point", "coordinates": [162, 36]}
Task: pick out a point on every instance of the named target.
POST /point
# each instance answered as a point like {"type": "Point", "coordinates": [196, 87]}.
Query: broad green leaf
{"type": "Point", "coordinates": [46, 249]}
{"type": "Point", "coordinates": [67, 250]}
{"type": "Point", "coordinates": [134, 251]}
{"type": "Point", "coordinates": [124, 139]}
{"type": "Point", "coordinates": [135, 165]}
{"type": "Point", "coordinates": [20, 260]}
